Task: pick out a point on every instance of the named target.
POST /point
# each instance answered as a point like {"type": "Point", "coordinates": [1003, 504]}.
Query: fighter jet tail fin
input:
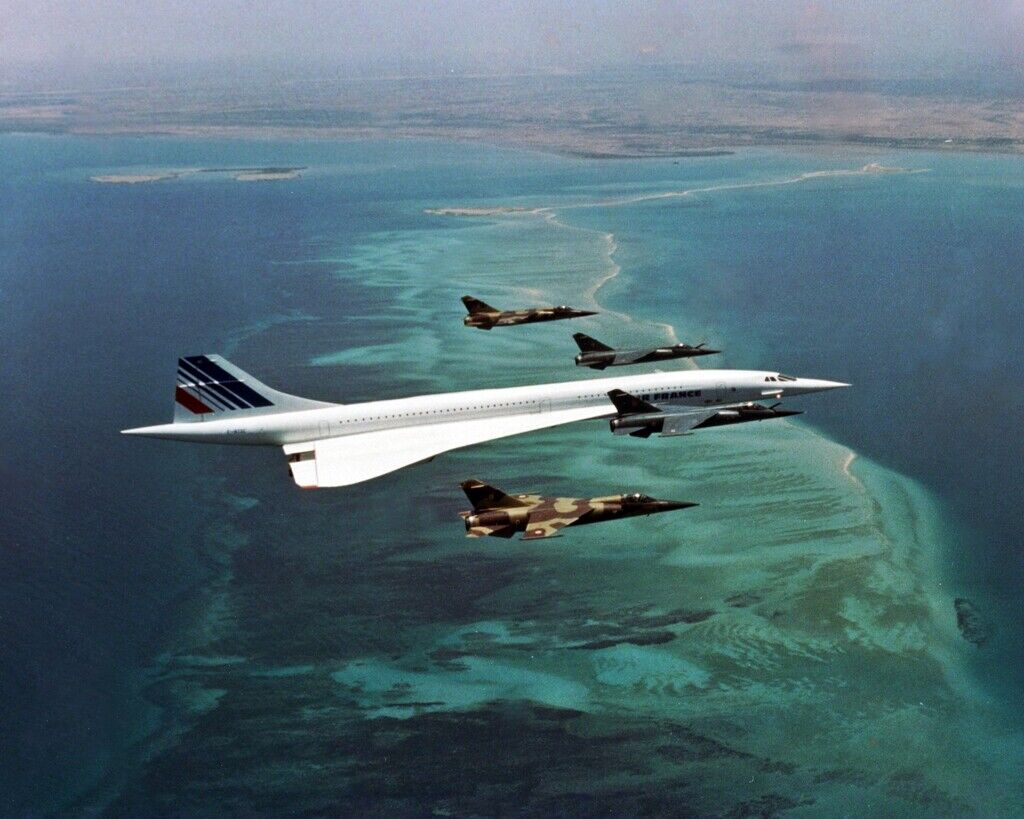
{"type": "Point", "coordinates": [628, 404]}
{"type": "Point", "coordinates": [209, 386]}
{"type": "Point", "coordinates": [483, 496]}
{"type": "Point", "coordinates": [590, 345]}
{"type": "Point", "coordinates": [476, 306]}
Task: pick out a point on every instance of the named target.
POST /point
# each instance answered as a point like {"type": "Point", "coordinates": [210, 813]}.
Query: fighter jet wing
{"type": "Point", "coordinates": [548, 519]}
{"type": "Point", "coordinates": [484, 531]}
{"type": "Point", "coordinates": [682, 423]}
{"type": "Point", "coordinates": [350, 459]}
{"type": "Point", "coordinates": [547, 528]}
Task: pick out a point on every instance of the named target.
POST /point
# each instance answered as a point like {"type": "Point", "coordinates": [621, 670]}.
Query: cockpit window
{"type": "Point", "coordinates": [786, 377]}
{"type": "Point", "coordinates": [637, 497]}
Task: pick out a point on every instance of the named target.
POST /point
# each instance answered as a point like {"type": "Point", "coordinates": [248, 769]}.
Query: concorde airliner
{"type": "Point", "coordinates": [341, 444]}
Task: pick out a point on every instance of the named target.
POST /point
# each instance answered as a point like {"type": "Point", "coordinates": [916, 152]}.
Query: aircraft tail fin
{"type": "Point", "coordinates": [590, 345]}
{"type": "Point", "coordinates": [628, 404]}
{"type": "Point", "coordinates": [476, 306]}
{"type": "Point", "coordinates": [209, 386]}
{"type": "Point", "coordinates": [483, 496]}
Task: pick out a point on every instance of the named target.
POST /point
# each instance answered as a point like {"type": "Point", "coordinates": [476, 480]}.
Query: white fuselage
{"type": "Point", "coordinates": [689, 388]}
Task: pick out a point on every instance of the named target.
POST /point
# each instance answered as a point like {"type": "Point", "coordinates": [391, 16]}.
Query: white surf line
{"type": "Point", "coordinates": [867, 170]}
{"type": "Point", "coordinates": [613, 269]}
{"type": "Point", "coordinates": [871, 169]}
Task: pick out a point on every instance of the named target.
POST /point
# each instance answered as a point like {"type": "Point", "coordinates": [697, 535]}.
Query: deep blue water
{"type": "Point", "coordinates": [909, 286]}
{"type": "Point", "coordinates": [102, 286]}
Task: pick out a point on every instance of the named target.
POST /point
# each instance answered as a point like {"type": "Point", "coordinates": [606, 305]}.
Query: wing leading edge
{"type": "Point", "coordinates": [350, 459]}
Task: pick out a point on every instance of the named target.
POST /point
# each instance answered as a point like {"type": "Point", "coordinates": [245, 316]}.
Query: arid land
{"type": "Point", "coordinates": [658, 113]}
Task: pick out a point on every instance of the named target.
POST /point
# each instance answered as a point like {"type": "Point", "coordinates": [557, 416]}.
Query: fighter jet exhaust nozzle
{"type": "Point", "coordinates": [596, 361]}
{"type": "Point", "coordinates": [496, 518]}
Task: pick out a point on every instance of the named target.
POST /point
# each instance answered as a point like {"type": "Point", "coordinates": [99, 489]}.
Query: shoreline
{"type": "Point", "coordinates": [722, 148]}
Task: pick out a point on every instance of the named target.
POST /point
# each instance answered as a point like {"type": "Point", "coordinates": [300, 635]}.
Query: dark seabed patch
{"type": "Point", "coordinates": [971, 622]}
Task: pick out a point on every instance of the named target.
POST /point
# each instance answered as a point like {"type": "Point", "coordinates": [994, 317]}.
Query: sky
{"type": "Point", "coordinates": [802, 38]}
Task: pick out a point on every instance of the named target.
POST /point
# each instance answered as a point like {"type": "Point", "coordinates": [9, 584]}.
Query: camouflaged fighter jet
{"type": "Point", "coordinates": [484, 317]}
{"type": "Point", "coordinates": [495, 513]}
{"type": "Point", "coordinates": [597, 356]}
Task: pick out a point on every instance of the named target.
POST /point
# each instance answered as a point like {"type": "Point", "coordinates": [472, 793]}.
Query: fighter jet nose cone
{"type": "Point", "coordinates": [706, 351]}
{"type": "Point", "coordinates": [669, 506]}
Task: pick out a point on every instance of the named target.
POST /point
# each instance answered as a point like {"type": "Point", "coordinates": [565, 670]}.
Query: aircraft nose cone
{"type": "Point", "coordinates": [818, 384]}
{"type": "Point", "coordinates": [705, 351]}
{"type": "Point", "coordinates": [668, 506]}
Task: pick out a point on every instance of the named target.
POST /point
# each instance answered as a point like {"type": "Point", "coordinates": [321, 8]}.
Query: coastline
{"type": "Point", "coordinates": [573, 147]}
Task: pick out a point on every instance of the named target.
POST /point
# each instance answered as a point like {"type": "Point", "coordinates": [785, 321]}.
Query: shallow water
{"type": "Point", "coordinates": [789, 644]}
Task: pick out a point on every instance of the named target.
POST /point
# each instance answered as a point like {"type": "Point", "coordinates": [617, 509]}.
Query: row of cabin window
{"type": "Point", "coordinates": [658, 397]}
{"type": "Point", "coordinates": [432, 412]}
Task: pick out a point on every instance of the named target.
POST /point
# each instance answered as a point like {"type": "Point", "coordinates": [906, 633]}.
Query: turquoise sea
{"type": "Point", "coordinates": [184, 632]}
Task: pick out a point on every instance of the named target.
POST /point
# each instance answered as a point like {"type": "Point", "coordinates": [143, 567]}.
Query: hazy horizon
{"type": "Point", "coordinates": [59, 42]}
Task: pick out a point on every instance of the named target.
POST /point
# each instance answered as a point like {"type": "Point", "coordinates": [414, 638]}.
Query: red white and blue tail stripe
{"type": "Point", "coordinates": [208, 385]}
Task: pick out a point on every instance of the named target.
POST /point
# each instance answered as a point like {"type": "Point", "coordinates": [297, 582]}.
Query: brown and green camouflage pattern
{"type": "Point", "coordinates": [484, 317]}
{"type": "Point", "coordinates": [497, 514]}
